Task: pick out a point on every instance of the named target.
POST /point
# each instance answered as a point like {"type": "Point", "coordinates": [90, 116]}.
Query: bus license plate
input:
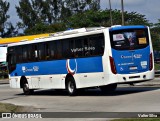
{"type": "Point", "coordinates": [133, 68]}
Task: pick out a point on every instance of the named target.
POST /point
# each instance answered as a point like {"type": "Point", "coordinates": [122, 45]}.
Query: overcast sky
{"type": "Point", "coordinates": [150, 8]}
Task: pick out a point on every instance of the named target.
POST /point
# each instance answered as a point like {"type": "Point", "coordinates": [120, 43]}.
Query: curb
{"type": "Point", "coordinates": [4, 81]}
{"type": "Point", "coordinates": [155, 82]}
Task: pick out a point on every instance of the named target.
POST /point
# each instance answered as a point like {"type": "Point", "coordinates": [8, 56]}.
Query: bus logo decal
{"type": "Point", "coordinates": [35, 68]}
{"type": "Point", "coordinates": [68, 67]}
{"type": "Point", "coordinates": [23, 69]}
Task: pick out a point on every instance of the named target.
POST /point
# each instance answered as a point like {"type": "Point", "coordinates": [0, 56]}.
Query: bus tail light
{"type": "Point", "coordinates": [150, 62]}
{"type": "Point", "coordinates": [113, 67]}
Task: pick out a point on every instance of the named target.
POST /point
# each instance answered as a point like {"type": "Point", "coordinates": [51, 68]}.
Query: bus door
{"type": "Point", "coordinates": [11, 59]}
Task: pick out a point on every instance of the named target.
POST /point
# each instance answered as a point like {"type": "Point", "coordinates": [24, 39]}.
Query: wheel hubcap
{"type": "Point", "coordinates": [71, 87]}
{"type": "Point", "coordinates": [26, 88]}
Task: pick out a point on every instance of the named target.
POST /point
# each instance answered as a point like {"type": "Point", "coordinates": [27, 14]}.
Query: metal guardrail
{"type": "Point", "coordinates": [157, 73]}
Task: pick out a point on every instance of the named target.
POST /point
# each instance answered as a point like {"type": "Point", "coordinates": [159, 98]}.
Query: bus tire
{"type": "Point", "coordinates": [108, 88]}
{"type": "Point", "coordinates": [71, 86]}
{"type": "Point", "coordinates": [26, 89]}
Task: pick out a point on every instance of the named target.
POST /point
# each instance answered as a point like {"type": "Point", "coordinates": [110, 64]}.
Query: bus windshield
{"type": "Point", "coordinates": [127, 39]}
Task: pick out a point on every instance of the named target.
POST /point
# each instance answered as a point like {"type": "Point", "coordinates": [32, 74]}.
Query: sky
{"type": "Point", "coordinates": [150, 8]}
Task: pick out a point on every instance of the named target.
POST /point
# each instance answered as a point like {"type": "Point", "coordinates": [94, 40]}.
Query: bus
{"type": "Point", "coordinates": [82, 58]}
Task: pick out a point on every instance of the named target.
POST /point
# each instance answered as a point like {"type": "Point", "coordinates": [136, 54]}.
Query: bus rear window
{"type": "Point", "coordinates": [129, 39]}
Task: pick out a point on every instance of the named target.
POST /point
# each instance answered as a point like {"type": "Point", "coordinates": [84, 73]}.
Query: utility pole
{"type": "Point", "coordinates": [122, 12]}
{"type": "Point", "coordinates": [110, 12]}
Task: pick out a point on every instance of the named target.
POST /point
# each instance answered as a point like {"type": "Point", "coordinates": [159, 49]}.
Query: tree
{"type": "Point", "coordinates": [6, 28]}
{"type": "Point", "coordinates": [73, 7]}
{"type": "Point", "coordinates": [155, 29]}
{"type": "Point", "coordinates": [92, 18]}
{"type": "Point", "coordinates": [26, 13]}
{"type": "Point", "coordinates": [36, 13]}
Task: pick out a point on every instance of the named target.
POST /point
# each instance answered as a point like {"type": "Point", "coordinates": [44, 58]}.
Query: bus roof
{"type": "Point", "coordinates": [119, 27]}
{"type": "Point", "coordinates": [63, 35]}
{"type": "Point", "coordinates": [21, 38]}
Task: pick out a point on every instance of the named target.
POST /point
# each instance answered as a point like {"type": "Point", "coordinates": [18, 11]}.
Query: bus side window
{"type": "Point", "coordinates": [78, 48]}
{"type": "Point", "coordinates": [58, 52]}
{"type": "Point", "coordinates": [47, 51]}
{"type": "Point", "coordinates": [41, 51]}
{"type": "Point", "coordinates": [96, 45]}
{"type": "Point", "coordinates": [30, 58]}
{"type": "Point", "coordinates": [71, 46]}
{"type": "Point", "coordinates": [24, 53]}
{"type": "Point", "coordinates": [67, 45]}
{"type": "Point", "coordinates": [34, 53]}
{"type": "Point", "coordinates": [11, 59]}
{"type": "Point", "coordinates": [87, 47]}
{"type": "Point", "coordinates": [52, 50]}
{"type": "Point", "coordinates": [19, 54]}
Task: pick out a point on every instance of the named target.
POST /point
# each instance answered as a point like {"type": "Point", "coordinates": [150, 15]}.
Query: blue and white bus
{"type": "Point", "coordinates": [82, 58]}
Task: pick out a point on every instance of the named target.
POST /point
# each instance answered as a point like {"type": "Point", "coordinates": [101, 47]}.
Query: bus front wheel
{"type": "Point", "coordinates": [108, 88]}
{"type": "Point", "coordinates": [71, 86]}
{"type": "Point", "coordinates": [26, 89]}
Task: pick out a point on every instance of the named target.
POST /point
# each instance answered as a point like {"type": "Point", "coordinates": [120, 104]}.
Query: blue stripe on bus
{"type": "Point", "coordinates": [79, 65]}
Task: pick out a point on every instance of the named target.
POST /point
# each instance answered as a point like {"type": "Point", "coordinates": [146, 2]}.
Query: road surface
{"type": "Point", "coordinates": [139, 98]}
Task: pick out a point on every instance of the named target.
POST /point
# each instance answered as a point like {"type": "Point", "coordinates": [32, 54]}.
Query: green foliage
{"type": "Point", "coordinates": [43, 28]}
{"type": "Point", "coordinates": [4, 107]}
{"type": "Point", "coordinates": [6, 28]}
{"type": "Point", "coordinates": [39, 13]}
{"type": "Point", "coordinates": [29, 13]}
{"type": "Point", "coordinates": [92, 18]}
{"type": "Point", "coordinates": [155, 29]}
{"type": "Point", "coordinates": [4, 6]}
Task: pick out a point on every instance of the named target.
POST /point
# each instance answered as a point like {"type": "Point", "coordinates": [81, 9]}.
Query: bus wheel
{"type": "Point", "coordinates": [71, 86]}
{"type": "Point", "coordinates": [108, 88]}
{"type": "Point", "coordinates": [26, 89]}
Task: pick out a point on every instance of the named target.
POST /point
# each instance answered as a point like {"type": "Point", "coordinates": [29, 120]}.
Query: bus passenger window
{"type": "Point", "coordinates": [35, 53]}
{"type": "Point", "coordinates": [24, 53]}
{"type": "Point", "coordinates": [19, 54]}
{"type": "Point", "coordinates": [47, 52]}
{"type": "Point", "coordinates": [52, 50]}
{"type": "Point", "coordinates": [78, 48]}
{"type": "Point", "coordinates": [41, 51]}
{"type": "Point", "coordinates": [96, 45]}
{"type": "Point", "coordinates": [87, 47]}
{"type": "Point", "coordinates": [52, 53]}
{"type": "Point", "coordinates": [58, 52]}
{"type": "Point", "coordinates": [29, 53]}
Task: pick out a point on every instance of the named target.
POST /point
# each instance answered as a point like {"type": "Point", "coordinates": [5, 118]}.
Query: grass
{"type": "Point", "coordinates": [157, 66]}
{"type": "Point", "coordinates": [5, 107]}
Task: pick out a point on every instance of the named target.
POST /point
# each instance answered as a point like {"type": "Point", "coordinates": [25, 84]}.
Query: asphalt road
{"type": "Point", "coordinates": [141, 98]}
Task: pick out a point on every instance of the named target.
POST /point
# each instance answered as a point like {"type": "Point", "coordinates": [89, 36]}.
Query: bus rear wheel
{"type": "Point", "coordinates": [71, 86]}
{"type": "Point", "coordinates": [26, 89]}
{"type": "Point", "coordinates": [108, 88]}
